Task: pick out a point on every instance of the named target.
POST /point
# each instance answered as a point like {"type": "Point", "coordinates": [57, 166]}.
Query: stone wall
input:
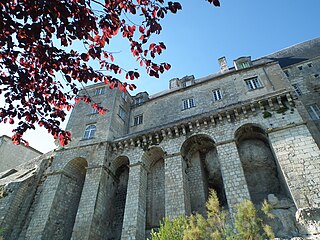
{"type": "Point", "coordinates": [12, 155]}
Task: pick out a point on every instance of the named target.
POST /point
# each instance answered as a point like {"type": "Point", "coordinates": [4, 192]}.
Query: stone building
{"type": "Point", "coordinates": [250, 131]}
{"type": "Point", "coordinates": [12, 155]}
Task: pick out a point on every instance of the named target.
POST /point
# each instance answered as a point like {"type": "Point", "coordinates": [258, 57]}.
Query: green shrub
{"type": "Point", "coordinates": [248, 226]}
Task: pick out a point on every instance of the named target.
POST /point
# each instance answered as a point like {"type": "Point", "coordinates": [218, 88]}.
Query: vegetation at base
{"type": "Point", "coordinates": [1, 233]}
{"type": "Point", "coordinates": [248, 226]}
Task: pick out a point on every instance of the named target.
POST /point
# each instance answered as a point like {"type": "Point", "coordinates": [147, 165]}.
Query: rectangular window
{"type": "Point", "coordinates": [253, 83]}
{"type": "Point", "coordinates": [138, 100]}
{"type": "Point", "coordinates": [297, 90]}
{"type": "Point", "coordinates": [124, 96]}
{"type": "Point", "coordinates": [217, 95]}
{"type": "Point", "coordinates": [100, 91]}
{"type": "Point", "coordinates": [244, 65]}
{"type": "Point", "coordinates": [188, 103]}
{"type": "Point", "coordinates": [138, 120]}
{"type": "Point", "coordinates": [94, 111]}
{"type": "Point", "coordinates": [186, 84]}
{"type": "Point", "coordinates": [122, 113]}
{"type": "Point", "coordinates": [300, 68]}
{"type": "Point", "coordinates": [286, 72]}
{"type": "Point", "coordinates": [314, 111]}
{"type": "Point", "coordinates": [309, 65]}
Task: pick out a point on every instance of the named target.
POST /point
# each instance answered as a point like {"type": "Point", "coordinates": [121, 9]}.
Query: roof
{"type": "Point", "coordinates": [294, 54]}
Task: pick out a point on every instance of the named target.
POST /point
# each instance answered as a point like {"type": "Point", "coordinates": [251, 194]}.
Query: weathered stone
{"type": "Point", "coordinates": [253, 140]}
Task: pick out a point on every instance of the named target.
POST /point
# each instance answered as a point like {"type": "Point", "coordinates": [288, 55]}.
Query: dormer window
{"type": "Point", "coordinates": [186, 83]}
{"type": "Point", "coordinates": [138, 100]}
{"type": "Point", "coordinates": [242, 63]}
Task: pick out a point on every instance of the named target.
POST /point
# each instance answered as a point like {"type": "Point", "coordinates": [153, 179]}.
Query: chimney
{"type": "Point", "coordinates": [223, 64]}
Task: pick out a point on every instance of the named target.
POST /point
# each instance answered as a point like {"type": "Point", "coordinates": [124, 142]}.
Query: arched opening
{"type": "Point", "coordinates": [120, 167]}
{"type": "Point", "coordinates": [66, 201]}
{"type": "Point", "coordinates": [262, 173]}
{"type": "Point", "coordinates": [155, 211]}
{"type": "Point", "coordinates": [203, 171]}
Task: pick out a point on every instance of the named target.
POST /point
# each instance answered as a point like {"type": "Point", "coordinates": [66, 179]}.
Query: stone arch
{"type": "Point", "coordinates": [260, 167]}
{"type": "Point", "coordinates": [66, 200]}
{"type": "Point", "coordinates": [153, 159]}
{"type": "Point", "coordinates": [203, 171]}
{"type": "Point", "coordinates": [117, 196]}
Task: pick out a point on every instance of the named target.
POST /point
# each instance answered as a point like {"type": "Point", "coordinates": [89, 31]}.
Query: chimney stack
{"type": "Point", "coordinates": [223, 64]}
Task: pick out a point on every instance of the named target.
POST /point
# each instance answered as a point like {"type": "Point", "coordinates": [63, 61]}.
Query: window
{"type": "Point", "coordinates": [138, 120]}
{"type": "Point", "coordinates": [253, 83]}
{"type": "Point", "coordinates": [122, 113]}
{"type": "Point", "coordinates": [314, 111]}
{"type": "Point", "coordinates": [316, 75]}
{"type": "Point", "coordinates": [138, 100]}
{"type": "Point", "coordinates": [243, 65]}
{"type": "Point", "coordinates": [188, 103]}
{"type": "Point", "coordinates": [89, 132]}
{"type": "Point", "coordinates": [297, 89]}
{"type": "Point", "coordinates": [309, 65]}
{"type": "Point", "coordinates": [94, 111]}
{"type": "Point", "coordinates": [124, 96]}
{"type": "Point", "coordinates": [217, 95]}
{"type": "Point", "coordinates": [186, 84]}
{"type": "Point", "coordinates": [286, 72]}
{"type": "Point", "coordinates": [300, 68]}
{"type": "Point", "coordinates": [100, 91]}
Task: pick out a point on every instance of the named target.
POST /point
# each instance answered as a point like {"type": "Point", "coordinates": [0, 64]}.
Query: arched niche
{"type": "Point", "coordinates": [66, 201]}
{"type": "Point", "coordinates": [117, 194]}
{"type": "Point", "coordinates": [203, 171]}
{"type": "Point", "coordinates": [155, 204]}
{"type": "Point", "coordinates": [262, 173]}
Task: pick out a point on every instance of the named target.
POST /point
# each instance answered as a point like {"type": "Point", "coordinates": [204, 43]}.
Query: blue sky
{"type": "Point", "coordinates": [199, 34]}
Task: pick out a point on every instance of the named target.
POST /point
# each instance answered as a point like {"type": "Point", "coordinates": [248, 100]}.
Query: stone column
{"type": "Point", "coordinates": [232, 173]}
{"type": "Point", "coordinates": [299, 159]}
{"type": "Point", "coordinates": [177, 200]}
{"type": "Point", "coordinates": [84, 226]}
{"type": "Point", "coordinates": [40, 217]}
{"type": "Point", "coordinates": [134, 221]}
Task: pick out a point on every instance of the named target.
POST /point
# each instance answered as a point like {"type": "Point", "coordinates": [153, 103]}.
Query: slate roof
{"type": "Point", "coordinates": [294, 54]}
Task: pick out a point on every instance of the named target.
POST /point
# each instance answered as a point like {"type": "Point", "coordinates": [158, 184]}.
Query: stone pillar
{"type": "Point", "coordinates": [40, 217]}
{"type": "Point", "coordinates": [232, 173]}
{"type": "Point", "coordinates": [177, 200]}
{"type": "Point", "coordinates": [197, 184]}
{"type": "Point", "coordinates": [299, 159]}
{"type": "Point", "coordinates": [134, 221]}
{"type": "Point", "coordinates": [84, 226]}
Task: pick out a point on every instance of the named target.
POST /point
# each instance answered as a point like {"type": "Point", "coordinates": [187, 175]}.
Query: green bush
{"type": "Point", "coordinates": [248, 226]}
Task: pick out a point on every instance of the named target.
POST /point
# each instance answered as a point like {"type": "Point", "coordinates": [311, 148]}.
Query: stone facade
{"type": "Point", "coordinates": [243, 132]}
{"type": "Point", "coordinates": [13, 155]}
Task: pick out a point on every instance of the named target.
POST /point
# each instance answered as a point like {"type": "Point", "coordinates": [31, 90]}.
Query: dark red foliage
{"type": "Point", "coordinates": [39, 76]}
